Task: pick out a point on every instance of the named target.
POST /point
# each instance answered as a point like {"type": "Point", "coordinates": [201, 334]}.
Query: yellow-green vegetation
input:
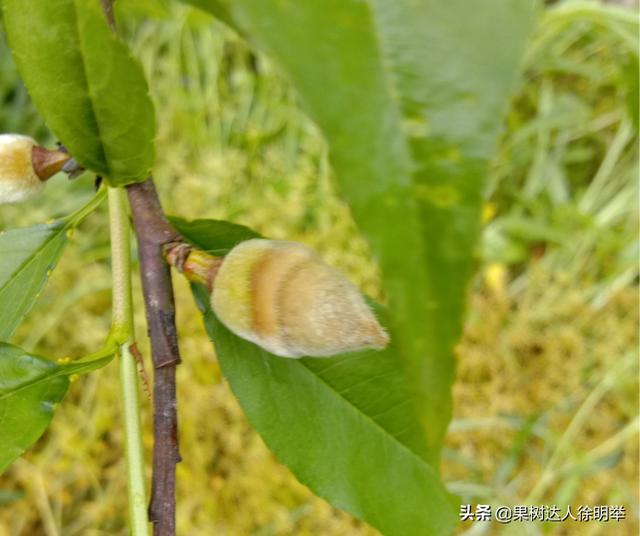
{"type": "Point", "coordinates": [546, 395]}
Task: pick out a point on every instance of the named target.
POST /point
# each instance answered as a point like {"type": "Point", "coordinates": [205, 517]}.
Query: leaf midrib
{"type": "Point", "coordinates": [61, 371]}
{"type": "Point", "coordinates": [358, 411]}
{"type": "Point", "coordinates": [33, 382]}
{"type": "Point", "coordinates": [37, 252]}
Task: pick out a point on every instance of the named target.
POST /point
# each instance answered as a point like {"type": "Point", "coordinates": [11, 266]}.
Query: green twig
{"type": "Point", "coordinates": [122, 308]}
{"type": "Point", "coordinates": [74, 219]}
{"type": "Point", "coordinates": [123, 334]}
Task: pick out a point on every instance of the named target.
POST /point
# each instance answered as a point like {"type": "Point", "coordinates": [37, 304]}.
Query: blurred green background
{"type": "Point", "coordinates": [546, 395]}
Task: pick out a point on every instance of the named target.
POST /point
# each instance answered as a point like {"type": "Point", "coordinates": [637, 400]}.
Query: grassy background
{"type": "Point", "coordinates": [546, 396]}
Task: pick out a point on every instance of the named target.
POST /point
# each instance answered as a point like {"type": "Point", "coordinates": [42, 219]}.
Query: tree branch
{"type": "Point", "coordinates": [152, 232]}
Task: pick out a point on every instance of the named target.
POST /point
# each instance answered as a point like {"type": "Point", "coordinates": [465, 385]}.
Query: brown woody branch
{"type": "Point", "coordinates": [152, 232]}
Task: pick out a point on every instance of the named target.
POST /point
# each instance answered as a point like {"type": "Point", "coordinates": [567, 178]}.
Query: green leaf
{"type": "Point", "coordinates": [218, 8]}
{"type": "Point", "coordinates": [29, 391]}
{"type": "Point", "coordinates": [91, 92]}
{"type": "Point", "coordinates": [409, 95]}
{"type": "Point", "coordinates": [30, 387]}
{"type": "Point", "coordinates": [27, 257]}
{"type": "Point", "coordinates": [216, 234]}
{"type": "Point", "coordinates": [345, 426]}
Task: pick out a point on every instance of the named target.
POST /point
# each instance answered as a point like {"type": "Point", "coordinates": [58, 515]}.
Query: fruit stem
{"type": "Point", "coordinates": [196, 265]}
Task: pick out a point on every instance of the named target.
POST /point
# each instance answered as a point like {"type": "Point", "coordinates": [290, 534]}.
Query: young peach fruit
{"type": "Point", "coordinates": [24, 167]}
{"type": "Point", "coordinates": [282, 297]}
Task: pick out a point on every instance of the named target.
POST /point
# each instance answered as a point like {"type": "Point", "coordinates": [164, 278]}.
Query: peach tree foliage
{"type": "Point", "coordinates": [409, 96]}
